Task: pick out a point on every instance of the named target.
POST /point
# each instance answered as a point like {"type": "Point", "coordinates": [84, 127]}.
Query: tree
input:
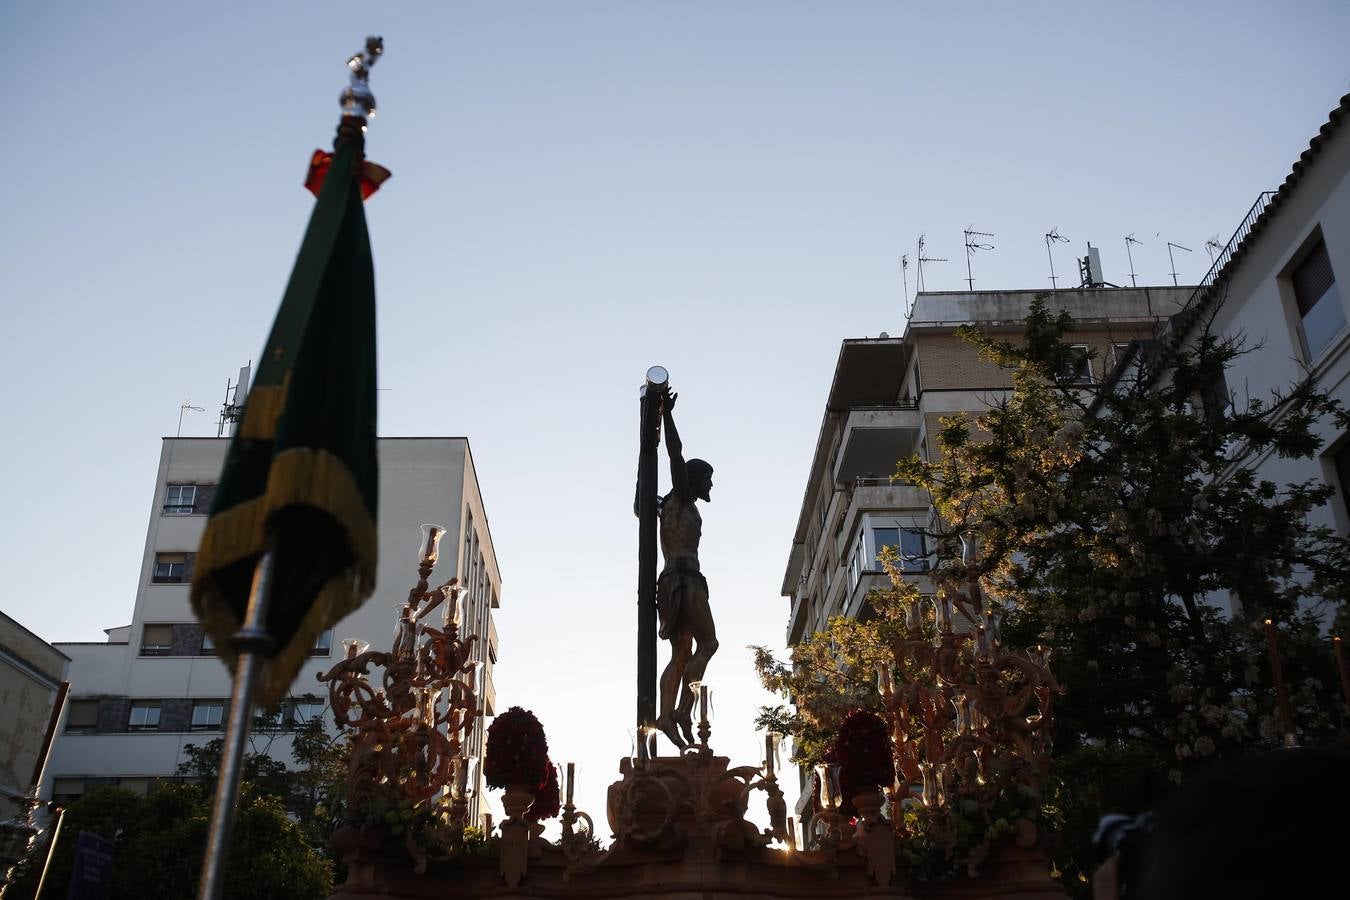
{"type": "Point", "coordinates": [1113, 527]}
{"type": "Point", "coordinates": [158, 842]}
{"type": "Point", "coordinates": [313, 792]}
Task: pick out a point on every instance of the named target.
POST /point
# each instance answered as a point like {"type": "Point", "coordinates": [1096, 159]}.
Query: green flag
{"type": "Point", "coordinates": [301, 475]}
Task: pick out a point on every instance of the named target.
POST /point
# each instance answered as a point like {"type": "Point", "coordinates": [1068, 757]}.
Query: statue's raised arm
{"type": "Point", "coordinates": [679, 472]}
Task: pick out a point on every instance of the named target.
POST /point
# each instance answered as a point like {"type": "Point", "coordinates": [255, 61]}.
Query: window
{"type": "Point", "coordinates": [207, 715]}
{"type": "Point", "coordinates": [1078, 370]}
{"type": "Point", "coordinates": [306, 709]}
{"type": "Point", "coordinates": [1340, 460]}
{"type": "Point", "coordinates": [180, 499]}
{"type": "Point", "coordinates": [156, 640]}
{"type": "Point", "coordinates": [66, 791]}
{"type": "Point", "coordinates": [136, 785]}
{"type": "Point", "coordinates": [172, 568]}
{"type": "Point", "coordinates": [323, 643]}
{"type": "Point", "coordinates": [909, 544]}
{"type": "Point", "coordinates": [273, 719]}
{"type": "Point", "coordinates": [144, 716]}
{"type": "Point", "coordinates": [208, 647]}
{"type": "Point", "coordinates": [82, 716]}
{"type": "Point", "coordinates": [1321, 314]}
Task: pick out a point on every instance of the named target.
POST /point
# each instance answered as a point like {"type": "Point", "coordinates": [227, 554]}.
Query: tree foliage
{"type": "Point", "coordinates": [282, 835]}
{"type": "Point", "coordinates": [158, 842]}
{"type": "Point", "coordinates": [1131, 532]}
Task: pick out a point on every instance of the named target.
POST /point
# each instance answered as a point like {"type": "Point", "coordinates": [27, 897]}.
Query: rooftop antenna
{"type": "Point", "coordinates": [923, 259]}
{"type": "Point", "coordinates": [236, 393]}
{"type": "Point", "coordinates": [1131, 239]}
{"type": "Point", "coordinates": [1090, 269]}
{"type": "Point", "coordinates": [1213, 248]}
{"type": "Point", "coordinates": [1053, 237]}
{"type": "Point", "coordinates": [971, 247]}
{"type": "Point", "coordinates": [1170, 259]}
{"type": "Point", "coordinates": [904, 275]}
{"type": "Point", "coordinates": [182, 408]}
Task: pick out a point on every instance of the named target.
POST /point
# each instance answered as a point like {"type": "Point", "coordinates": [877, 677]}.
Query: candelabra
{"type": "Point", "coordinates": [406, 733]}
{"type": "Point", "coordinates": [970, 720]}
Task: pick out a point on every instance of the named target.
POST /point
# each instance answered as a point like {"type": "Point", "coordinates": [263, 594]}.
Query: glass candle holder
{"type": "Point", "coordinates": [430, 548]}
{"type": "Point", "coordinates": [355, 647]}
{"type": "Point", "coordinates": [914, 615]}
{"type": "Point", "coordinates": [944, 613]}
{"type": "Point", "coordinates": [885, 683]}
{"type": "Point", "coordinates": [453, 605]}
{"type": "Point", "coordinates": [831, 795]}
{"type": "Point", "coordinates": [931, 791]}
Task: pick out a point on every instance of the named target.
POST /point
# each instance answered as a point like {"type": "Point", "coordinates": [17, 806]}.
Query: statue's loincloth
{"type": "Point", "coordinates": [680, 575]}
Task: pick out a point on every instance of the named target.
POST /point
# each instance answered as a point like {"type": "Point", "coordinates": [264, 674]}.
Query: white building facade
{"type": "Point", "coordinates": [156, 686]}
{"type": "Point", "coordinates": [1280, 287]}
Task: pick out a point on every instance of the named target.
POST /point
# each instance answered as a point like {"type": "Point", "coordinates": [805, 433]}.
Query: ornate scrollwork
{"type": "Point", "coordinates": [407, 746]}
{"type": "Point", "coordinates": [970, 720]}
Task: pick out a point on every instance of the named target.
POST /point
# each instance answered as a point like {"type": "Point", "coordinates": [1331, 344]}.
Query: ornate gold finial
{"type": "Point", "coordinates": [356, 99]}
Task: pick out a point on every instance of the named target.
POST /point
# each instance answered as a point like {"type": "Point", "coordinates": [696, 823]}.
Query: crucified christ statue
{"type": "Point", "coordinates": [681, 590]}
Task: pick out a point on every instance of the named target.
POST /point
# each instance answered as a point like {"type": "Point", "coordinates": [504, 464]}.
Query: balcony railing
{"type": "Point", "coordinates": [1222, 260]}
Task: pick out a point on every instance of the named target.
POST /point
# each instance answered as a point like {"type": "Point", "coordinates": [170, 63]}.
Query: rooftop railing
{"type": "Point", "coordinates": [1222, 260]}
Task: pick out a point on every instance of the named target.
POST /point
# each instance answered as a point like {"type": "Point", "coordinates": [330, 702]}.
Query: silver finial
{"type": "Point", "coordinates": [356, 98]}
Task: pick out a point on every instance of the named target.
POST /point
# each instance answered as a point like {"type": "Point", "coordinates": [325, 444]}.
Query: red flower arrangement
{"type": "Point", "coordinates": [517, 751]}
{"type": "Point", "coordinates": [862, 750]}
{"type": "Point", "coordinates": [547, 802]}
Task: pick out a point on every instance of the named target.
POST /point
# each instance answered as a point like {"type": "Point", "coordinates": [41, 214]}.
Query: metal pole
{"type": "Point", "coordinates": [51, 850]}
{"type": "Point", "coordinates": [646, 636]}
{"type": "Point", "coordinates": [251, 642]}
{"type": "Point", "coordinates": [1050, 256]}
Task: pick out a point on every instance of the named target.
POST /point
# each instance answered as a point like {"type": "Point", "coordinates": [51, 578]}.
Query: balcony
{"type": "Point", "coordinates": [874, 437]}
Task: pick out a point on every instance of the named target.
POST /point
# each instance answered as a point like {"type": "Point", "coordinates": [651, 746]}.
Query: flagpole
{"type": "Point", "coordinates": [252, 644]}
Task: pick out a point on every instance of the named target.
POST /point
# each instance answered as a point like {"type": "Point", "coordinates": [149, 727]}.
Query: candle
{"type": "Point", "coordinates": [1277, 674]}
{"type": "Point", "coordinates": [768, 754]}
{"type": "Point", "coordinates": [703, 702]}
{"type": "Point", "coordinates": [571, 780]}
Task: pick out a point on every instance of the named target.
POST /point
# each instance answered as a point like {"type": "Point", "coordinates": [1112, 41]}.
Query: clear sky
{"type": "Point", "coordinates": [581, 190]}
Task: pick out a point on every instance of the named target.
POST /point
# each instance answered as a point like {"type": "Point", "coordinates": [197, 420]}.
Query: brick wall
{"type": "Point", "coordinates": [113, 713]}
{"type": "Point", "coordinates": [187, 639]}
{"type": "Point", "coordinates": [175, 714]}
{"type": "Point", "coordinates": [946, 362]}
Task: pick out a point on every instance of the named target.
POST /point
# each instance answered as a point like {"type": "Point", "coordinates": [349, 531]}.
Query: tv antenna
{"type": "Point", "coordinates": [971, 247]}
{"type": "Point", "coordinates": [904, 275]}
{"type": "Point", "coordinates": [1213, 248]}
{"type": "Point", "coordinates": [1173, 261]}
{"type": "Point", "coordinates": [182, 408]}
{"type": "Point", "coordinates": [923, 259]}
{"type": "Point", "coordinates": [1053, 237]}
{"type": "Point", "coordinates": [1131, 239]}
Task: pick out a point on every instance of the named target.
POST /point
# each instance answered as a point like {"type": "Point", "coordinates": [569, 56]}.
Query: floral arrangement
{"type": "Point", "coordinates": [517, 751]}
{"type": "Point", "coordinates": [547, 802]}
{"type": "Point", "coordinates": [863, 752]}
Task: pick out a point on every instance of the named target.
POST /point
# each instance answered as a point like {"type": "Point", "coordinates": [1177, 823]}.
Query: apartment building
{"type": "Point", "coordinates": [886, 401]}
{"type": "Point", "coordinates": [155, 686]}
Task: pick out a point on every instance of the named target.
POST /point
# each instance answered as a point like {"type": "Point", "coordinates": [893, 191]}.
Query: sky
{"type": "Point", "coordinates": [582, 190]}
